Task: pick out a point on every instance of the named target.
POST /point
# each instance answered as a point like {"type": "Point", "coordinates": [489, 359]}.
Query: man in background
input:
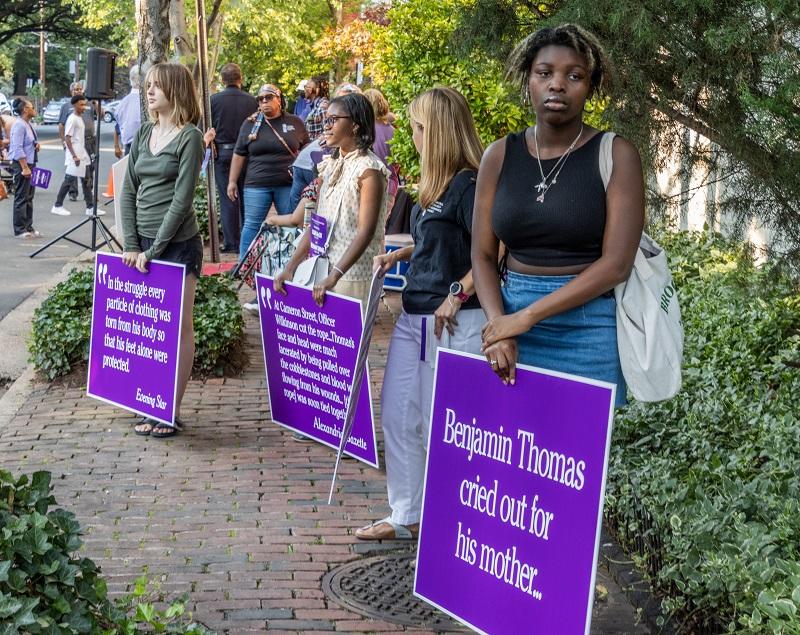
{"type": "Point", "coordinates": [89, 138]}
{"type": "Point", "coordinates": [76, 159]}
{"type": "Point", "coordinates": [128, 116]}
{"type": "Point", "coordinates": [229, 108]}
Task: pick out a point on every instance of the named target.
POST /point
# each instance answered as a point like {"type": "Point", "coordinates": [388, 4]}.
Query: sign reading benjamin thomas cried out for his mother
{"type": "Point", "coordinates": [310, 358]}
{"type": "Point", "coordinates": [136, 331]}
{"type": "Point", "coordinates": [513, 497]}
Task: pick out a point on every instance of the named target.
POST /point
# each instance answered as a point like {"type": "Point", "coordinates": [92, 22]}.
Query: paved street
{"type": "Point", "coordinates": [232, 511]}
{"type": "Point", "coordinates": [21, 274]}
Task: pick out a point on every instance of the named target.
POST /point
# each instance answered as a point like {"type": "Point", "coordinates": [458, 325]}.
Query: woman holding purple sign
{"type": "Point", "coordinates": [158, 219]}
{"type": "Point", "coordinates": [571, 225]}
{"type": "Point", "coordinates": [439, 305]}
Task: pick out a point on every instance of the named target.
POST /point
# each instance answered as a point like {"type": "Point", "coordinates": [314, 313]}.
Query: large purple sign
{"type": "Point", "coordinates": [513, 497]}
{"type": "Point", "coordinates": [310, 358]}
{"type": "Point", "coordinates": [136, 326]}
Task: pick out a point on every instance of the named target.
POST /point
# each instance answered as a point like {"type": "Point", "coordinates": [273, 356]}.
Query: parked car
{"type": "Point", "coordinates": [53, 109]}
{"type": "Point", "coordinates": [5, 105]}
{"type": "Point", "coordinates": [109, 110]}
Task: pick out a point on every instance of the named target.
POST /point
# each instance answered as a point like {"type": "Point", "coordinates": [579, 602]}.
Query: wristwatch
{"type": "Point", "coordinates": [457, 290]}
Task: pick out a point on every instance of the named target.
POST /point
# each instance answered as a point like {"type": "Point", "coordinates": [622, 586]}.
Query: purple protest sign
{"type": "Point", "coordinates": [513, 497]}
{"type": "Point", "coordinates": [135, 336]}
{"type": "Point", "coordinates": [319, 235]}
{"type": "Point", "coordinates": [41, 178]}
{"type": "Point", "coordinates": [310, 359]}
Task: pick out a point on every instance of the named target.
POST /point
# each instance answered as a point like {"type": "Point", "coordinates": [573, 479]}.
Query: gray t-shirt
{"type": "Point", "coordinates": [88, 118]}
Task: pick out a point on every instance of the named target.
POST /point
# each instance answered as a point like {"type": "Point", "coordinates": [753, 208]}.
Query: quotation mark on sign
{"type": "Point", "coordinates": [266, 297]}
{"type": "Point", "coordinates": [102, 272]}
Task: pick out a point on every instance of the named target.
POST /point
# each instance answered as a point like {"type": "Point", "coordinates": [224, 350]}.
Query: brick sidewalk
{"type": "Point", "coordinates": [232, 511]}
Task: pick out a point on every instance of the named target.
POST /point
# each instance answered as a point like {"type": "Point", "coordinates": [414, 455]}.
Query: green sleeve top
{"type": "Point", "coordinates": [156, 201]}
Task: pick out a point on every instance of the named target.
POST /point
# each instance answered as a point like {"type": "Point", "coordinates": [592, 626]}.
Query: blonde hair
{"type": "Point", "coordinates": [176, 82]}
{"type": "Point", "coordinates": [379, 104]}
{"type": "Point", "coordinates": [450, 142]}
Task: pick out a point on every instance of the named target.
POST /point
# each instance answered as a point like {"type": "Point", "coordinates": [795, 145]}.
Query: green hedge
{"type": "Point", "coordinates": [717, 468]}
{"type": "Point", "coordinates": [46, 588]}
{"type": "Point", "coordinates": [60, 333]}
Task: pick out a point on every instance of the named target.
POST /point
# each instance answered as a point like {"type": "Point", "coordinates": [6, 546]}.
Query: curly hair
{"type": "Point", "coordinates": [571, 36]}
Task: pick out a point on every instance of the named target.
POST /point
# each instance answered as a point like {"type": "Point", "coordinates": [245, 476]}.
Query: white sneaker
{"type": "Point", "coordinates": [100, 211]}
{"type": "Point", "coordinates": [252, 307]}
{"type": "Point", "coordinates": [59, 211]}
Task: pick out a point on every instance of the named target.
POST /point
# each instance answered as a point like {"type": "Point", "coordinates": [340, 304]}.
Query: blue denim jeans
{"type": "Point", "coordinates": [581, 341]}
{"type": "Point", "coordinates": [257, 202]}
{"type": "Point", "coordinates": [300, 179]}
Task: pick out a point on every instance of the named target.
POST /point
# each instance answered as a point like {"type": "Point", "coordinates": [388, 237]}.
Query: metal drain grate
{"type": "Point", "coordinates": [383, 587]}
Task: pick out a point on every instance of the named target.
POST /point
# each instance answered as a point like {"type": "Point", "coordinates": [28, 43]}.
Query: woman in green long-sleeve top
{"type": "Point", "coordinates": [158, 219]}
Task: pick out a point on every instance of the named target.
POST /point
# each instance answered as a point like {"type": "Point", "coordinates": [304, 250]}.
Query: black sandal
{"type": "Point", "coordinates": [144, 421]}
{"type": "Point", "coordinates": [166, 430]}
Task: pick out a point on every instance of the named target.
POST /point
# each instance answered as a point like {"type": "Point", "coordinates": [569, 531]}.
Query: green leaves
{"type": "Point", "coordinates": [45, 589]}
{"type": "Point", "coordinates": [717, 468]}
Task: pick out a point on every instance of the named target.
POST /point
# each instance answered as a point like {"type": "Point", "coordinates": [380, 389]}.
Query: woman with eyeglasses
{"type": "Point", "coordinates": [266, 148]}
{"type": "Point", "coordinates": [351, 202]}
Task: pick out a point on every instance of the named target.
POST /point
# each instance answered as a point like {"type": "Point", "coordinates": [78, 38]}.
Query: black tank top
{"type": "Point", "coordinates": [567, 228]}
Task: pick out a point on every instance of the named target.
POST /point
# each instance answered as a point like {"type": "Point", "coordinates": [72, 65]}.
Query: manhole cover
{"type": "Point", "coordinates": [383, 587]}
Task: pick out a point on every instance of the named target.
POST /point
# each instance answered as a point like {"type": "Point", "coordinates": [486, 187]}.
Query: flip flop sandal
{"type": "Point", "coordinates": [385, 529]}
{"type": "Point", "coordinates": [166, 429]}
{"type": "Point", "coordinates": [141, 422]}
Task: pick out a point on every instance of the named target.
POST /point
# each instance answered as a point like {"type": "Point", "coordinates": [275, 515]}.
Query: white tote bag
{"type": "Point", "coordinates": [649, 328]}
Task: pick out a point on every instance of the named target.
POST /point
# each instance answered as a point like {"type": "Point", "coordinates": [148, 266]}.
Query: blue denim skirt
{"type": "Point", "coordinates": [581, 341]}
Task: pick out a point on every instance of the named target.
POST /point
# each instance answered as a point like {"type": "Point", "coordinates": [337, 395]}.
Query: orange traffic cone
{"type": "Point", "coordinates": [110, 185]}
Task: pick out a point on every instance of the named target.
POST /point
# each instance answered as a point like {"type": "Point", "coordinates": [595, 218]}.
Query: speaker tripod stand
{"type": "Point", "coordinates": [98, 226]}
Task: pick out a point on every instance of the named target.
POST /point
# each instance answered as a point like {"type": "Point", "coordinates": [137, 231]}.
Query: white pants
{"type": "Point", "coordinates": [406, 403]}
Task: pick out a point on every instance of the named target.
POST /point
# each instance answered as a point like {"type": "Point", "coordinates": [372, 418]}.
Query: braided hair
{"type": "Point", "coordinates": [571, 36]}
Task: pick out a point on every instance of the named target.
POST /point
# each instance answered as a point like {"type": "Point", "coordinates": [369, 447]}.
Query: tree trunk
{"type": "Point", "coordinates": [184, 44]}
{"type": "Point", "coordinates": [152, 22]}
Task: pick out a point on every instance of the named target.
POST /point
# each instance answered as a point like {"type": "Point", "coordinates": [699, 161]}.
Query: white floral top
{"type": "Point", "coordinates": [338, 203]}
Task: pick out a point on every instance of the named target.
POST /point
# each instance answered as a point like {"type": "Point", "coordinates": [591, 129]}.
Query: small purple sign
{"type": "Point", "coordinates": [41, 178]}
{"type": "Point", "coordinates": [310, 356]}
{"type": "Point", "coordinates": [319, 235]}
{"type": "Point", "coordinates": [135, 336]}
{"type": "Point", "coordinates": [513, 497]}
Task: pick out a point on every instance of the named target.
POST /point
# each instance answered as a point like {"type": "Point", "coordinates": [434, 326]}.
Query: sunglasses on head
{"type": "Point", "coordinates": [270, 97]}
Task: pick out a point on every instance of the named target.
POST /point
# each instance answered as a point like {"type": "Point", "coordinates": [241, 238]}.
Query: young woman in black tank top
{"type": "Point", "coordinates": [570, 241]}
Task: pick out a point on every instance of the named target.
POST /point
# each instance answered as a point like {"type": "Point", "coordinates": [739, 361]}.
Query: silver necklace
{"type": "Point", "coordinates": [163, 135]}
{"type": "Point", "coordinates": [544, 186]}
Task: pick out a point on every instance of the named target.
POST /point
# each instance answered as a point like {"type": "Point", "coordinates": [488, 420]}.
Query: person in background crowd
{"type": "Point", "coordinates": [23, 151]}
{"type": "Point", "coordinates": [89, 140]}
{"type": "Point", "coordinates": [267, 146]}
{"type": "Point", "coordinates": [158, 217]}
{"type": "Point", "coordinates": [6, 123]}
{"type": "Point", "coordinates": [569, 241]}
{"type": "Point", "coordinates": [352, 200]}
{"type": "Point", "coordinates": [304, 98]}
{"type": "Point", "coordinates": [439, 305]}
{"type": "Point", "coordinates": [318, 94]}
{"type": "Point", "coordinates": [384, 131]}
{"type": "Point", "coordinates": [128, 117]}
{"type": "Point", "coordinates": [229, 108]}
{"type": "Point", "coordinates": [76, 159]}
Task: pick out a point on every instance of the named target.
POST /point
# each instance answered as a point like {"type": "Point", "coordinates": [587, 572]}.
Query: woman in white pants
{"type": "Point", "coordinates": [439, 304]}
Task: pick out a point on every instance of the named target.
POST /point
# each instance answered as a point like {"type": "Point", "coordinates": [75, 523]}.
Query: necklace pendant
{"type": "Point", "coordinates": [541, 187]}
{"type": "Point", "coordinates": [555, 180]}
{"type": "Point", "coordinates": [540, 198]}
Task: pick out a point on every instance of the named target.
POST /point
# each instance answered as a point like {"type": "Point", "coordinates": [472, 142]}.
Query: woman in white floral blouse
{"type": "Point", "coordinates": [351, 203]}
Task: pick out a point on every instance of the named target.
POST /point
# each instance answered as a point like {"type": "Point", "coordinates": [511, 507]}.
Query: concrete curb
{"type": "Point", "coordinates": [14, 332]}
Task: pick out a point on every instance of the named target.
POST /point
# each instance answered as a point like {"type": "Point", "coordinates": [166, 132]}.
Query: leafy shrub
{"type": "Point", "coordinates": [200, 204]}
{"type": "Point", "coordinates": [46, 588]}
{"type": "Point", "coordinates": [717, 468]}
{"type": "Point", "coordinates": [218, 325]}
{"type": "Point", "coordinates": [61, 326]}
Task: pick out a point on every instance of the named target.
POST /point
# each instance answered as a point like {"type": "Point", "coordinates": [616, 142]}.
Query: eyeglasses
{"type": "Point", "coordinates": [261, 98]}
{"type": "Point", "coordinates": [330, 120]}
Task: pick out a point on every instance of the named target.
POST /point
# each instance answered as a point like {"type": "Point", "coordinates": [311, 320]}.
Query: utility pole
{"type": "Point", "coordinates": [42, 51]}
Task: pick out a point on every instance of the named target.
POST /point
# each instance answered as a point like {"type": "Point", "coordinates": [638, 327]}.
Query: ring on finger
{"type": "Point", "coordinates": [493, 362]}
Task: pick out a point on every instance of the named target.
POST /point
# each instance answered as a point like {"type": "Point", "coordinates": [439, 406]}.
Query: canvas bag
{"type": "Point", "coordinates": [649, 328]}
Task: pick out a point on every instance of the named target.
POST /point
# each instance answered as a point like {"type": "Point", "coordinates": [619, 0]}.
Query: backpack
{"type": "Point", "coordinates": [649, 328]}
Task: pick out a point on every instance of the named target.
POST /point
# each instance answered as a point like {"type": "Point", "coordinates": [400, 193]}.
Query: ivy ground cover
{"type": "Point", "coordinates": [717, 468]}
